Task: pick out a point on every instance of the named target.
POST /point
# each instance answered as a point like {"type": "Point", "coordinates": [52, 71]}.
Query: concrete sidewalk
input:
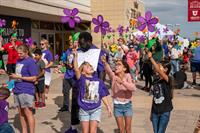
{"type": "Point", "coordinates": [48, 120]}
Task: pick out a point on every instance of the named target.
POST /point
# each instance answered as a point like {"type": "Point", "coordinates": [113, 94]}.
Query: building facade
{"type": "Point", "coordinates": [41, 19]}
{"type": "Point", "coordinates": [116, 12]}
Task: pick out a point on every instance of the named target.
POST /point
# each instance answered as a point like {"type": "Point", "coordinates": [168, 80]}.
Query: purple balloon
{"type": "Point", "coordinates": [2, 22]}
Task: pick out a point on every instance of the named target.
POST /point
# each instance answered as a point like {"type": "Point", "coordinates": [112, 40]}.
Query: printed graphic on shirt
{"type": "Point", "coordinates": [45, 60]}
{"type": "Point", "coordinates": [18, 69]}
{"type": "Point", "coordinates": [70, 58]}
{"type": "Point", "coordinates": [6, 108]}
{"type": "Point", "coordinates": [158, 94]}
{"type": "Point", "coordinates": [91, 92]}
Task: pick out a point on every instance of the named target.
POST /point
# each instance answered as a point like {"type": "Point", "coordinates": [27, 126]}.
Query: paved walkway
{"type": "Point", "coordinates": [48, 120]}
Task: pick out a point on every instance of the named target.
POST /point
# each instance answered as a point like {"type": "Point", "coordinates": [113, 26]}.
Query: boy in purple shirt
{"type": "Point", "coordinates": [4, 125]}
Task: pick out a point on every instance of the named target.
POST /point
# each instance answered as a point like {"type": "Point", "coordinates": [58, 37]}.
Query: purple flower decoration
{"type": "Point", "coordinates": [165, 30]}
{"type": "Point", "coordinates": [142, 38]}
{"type": "Point", "coordinates": [148, 22]}
{"type": "Point", "coordinates": [2, 22]}
{"type": "Point", "coordinates": [158, 31]}
{"type": "Point", "coordinates": [127, 29]}
{"type": "Point", "coordinates": [120, 30]}
{"type": "Point", "coordinates": [113, 30]}
{"type": "Point", "coordinates": [29, 41]}
{"type": "Point", "coordinates": [171, 38]}
{"type": "Point", "coordinates": [100, 24]}
{"type": "Point", "coordinates": [56, 57]}
{"type": "Point", "coordinates": [109, 30]}
{"type": "Point", "coordinates": [71, 17]}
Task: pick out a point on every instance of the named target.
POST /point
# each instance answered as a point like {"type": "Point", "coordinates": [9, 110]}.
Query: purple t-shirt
{"type": "Point", "coordinates": [70, 71]}
{"type": "Point", "coordinates": [3, 112]}
{"type": "Point", "coordinates": [91, 91]}
{"type": "Point", "coordinates": [25, 68]}
{"type": "Point", "coordinates": [47, 57]}
{"type": "Point", "coordinates": [196, 57]}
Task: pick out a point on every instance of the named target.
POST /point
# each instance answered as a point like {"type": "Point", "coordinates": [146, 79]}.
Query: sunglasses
{"type": "Point", "coordinates": [42, 44]}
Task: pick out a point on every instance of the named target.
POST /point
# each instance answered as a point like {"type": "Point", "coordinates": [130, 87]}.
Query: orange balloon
{"type": "Point", "coordinates": [14, 24]}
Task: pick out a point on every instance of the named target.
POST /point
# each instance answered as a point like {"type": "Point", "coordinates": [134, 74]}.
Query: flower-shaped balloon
{"type": "Point", "coordinates": [165, 30]}
{"type": "Point", "coordinates": [71, 17]}
{"type": "Point", "coordinates": [29, 41]}
{"type": "Point", "coordinates": [101, 25]}
{"type": "Point", "coordinates": [141, 38]}
{"type": "Point", "coordinates": [2, 22]}
{"type": "Point", "coordinates": [120, 30]}
{"type": "Point", "coordinates": [109, 29]}
{"type": "Point", "coordinates": [148, 22]}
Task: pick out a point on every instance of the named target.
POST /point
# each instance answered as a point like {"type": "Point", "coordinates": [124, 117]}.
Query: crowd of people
{"type": "Point", "coordinates": [162, 65]}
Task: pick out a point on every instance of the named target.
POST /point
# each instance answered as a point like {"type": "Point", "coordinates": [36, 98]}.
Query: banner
{"type": "Point", "coordinates": [194, 10]}
{"type": "Point", "coordinates": [23, 27]}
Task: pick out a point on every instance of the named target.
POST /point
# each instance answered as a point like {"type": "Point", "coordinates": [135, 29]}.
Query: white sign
{"type": "Point", "coordinates": [91, 56]}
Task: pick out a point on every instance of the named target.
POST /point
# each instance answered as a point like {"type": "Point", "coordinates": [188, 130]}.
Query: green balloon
{"type": "Point", "coordinates": [1, 30]}
{"type": "Point", "coordinates": [14, 34]}
{"type": "Point", "coordinates": [151, 43]}
{"type": "Point", "coordinates": [1, 63]}
{"type": "Point", "coordinates": [75, 36]}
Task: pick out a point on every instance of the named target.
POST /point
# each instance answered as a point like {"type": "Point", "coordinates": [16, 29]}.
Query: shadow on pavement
{"type": "Point", "coordinates": [16, 122]}
{"type": "Point", "coordinates": [63, 117]}
{"type": "Point", "coordinates": [99, 130]}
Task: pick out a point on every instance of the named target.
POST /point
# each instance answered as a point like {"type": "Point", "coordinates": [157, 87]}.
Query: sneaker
{"type": "Point", "coordinates": [70, 130]}
{"type": "Point", "coordinates": [64, 108]}
{"type": "Point", "coordinates": [42, 105]}
{"type": "Point", "coordinates": [37, 104]}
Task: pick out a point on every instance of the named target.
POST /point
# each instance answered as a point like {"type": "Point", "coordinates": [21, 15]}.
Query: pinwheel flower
{"type": "Point", "coordinates": [56, 57]}
{"type": "Point", "coordinates": [158, 31]}
{"type": "Point", "coordinates": [29, 41]}
{"type": "Point", "coordinates": [71, 17]}
{"type": "Point", "coordinates": [141, 38]}
{"type": "Point", "coordinates": [148, 22]}
{"type": "Point", "coordinates": [171, 38]}
{"type": "Point", "coordinates": [2, 22]}
{"type": "Point", "coordinates": [127, 29]}
{"type": "Point", "coordinates": [120, 30]}
{"type": "Point", "coordinates": [100, 24]}
{"type": "Point", "coordinates": [165, 30]}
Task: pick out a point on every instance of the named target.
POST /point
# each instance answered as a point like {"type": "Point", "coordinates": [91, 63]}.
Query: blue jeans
{"type": "Point", "coordinates": [6, 128]}
{"type": "Point", "coordinates": [175, 66]}
{"type": "Point", "coordinates": [160, 122]}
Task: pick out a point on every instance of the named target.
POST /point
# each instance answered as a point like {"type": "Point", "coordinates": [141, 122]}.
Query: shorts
{"type": "Point", "coordinates": [123, 109]}
{"type": "Point", "coordinates": [47, 76]}
{"type": "Point", "coordinates": [6, 128]}
{"type": "Point", "coordinates": [10, 68]}
{"type": "Point", "coordinates": [195, 66]}
{"type": "Point", "coordinates": [40, 86]}
{"type": "Point", "coordinates": [23, 100]}
{"type": "Point", "coordinates": [90, 115]}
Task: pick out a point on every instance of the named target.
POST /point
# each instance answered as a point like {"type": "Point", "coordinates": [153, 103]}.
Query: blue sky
{"type": "Point", "coordinates": [173, 12]}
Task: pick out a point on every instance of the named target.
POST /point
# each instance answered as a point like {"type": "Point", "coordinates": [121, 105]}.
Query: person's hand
{"type": "Point", "coordinates": [103, 59]}
{"type": "Point", "coordinates": [149, 54]}
{"type": "Point", "coordinates": [14, 76]}
{"type": "Point", "coordinates": [2, 71]}
{"type": "Point", "coordinates": [75, 53]}
{"type": "Point", "coordinates": [109, 111]}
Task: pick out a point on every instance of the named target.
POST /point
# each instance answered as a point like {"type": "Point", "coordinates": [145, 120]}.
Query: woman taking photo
{"type": "Point", "coordinates": [24, 90]}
